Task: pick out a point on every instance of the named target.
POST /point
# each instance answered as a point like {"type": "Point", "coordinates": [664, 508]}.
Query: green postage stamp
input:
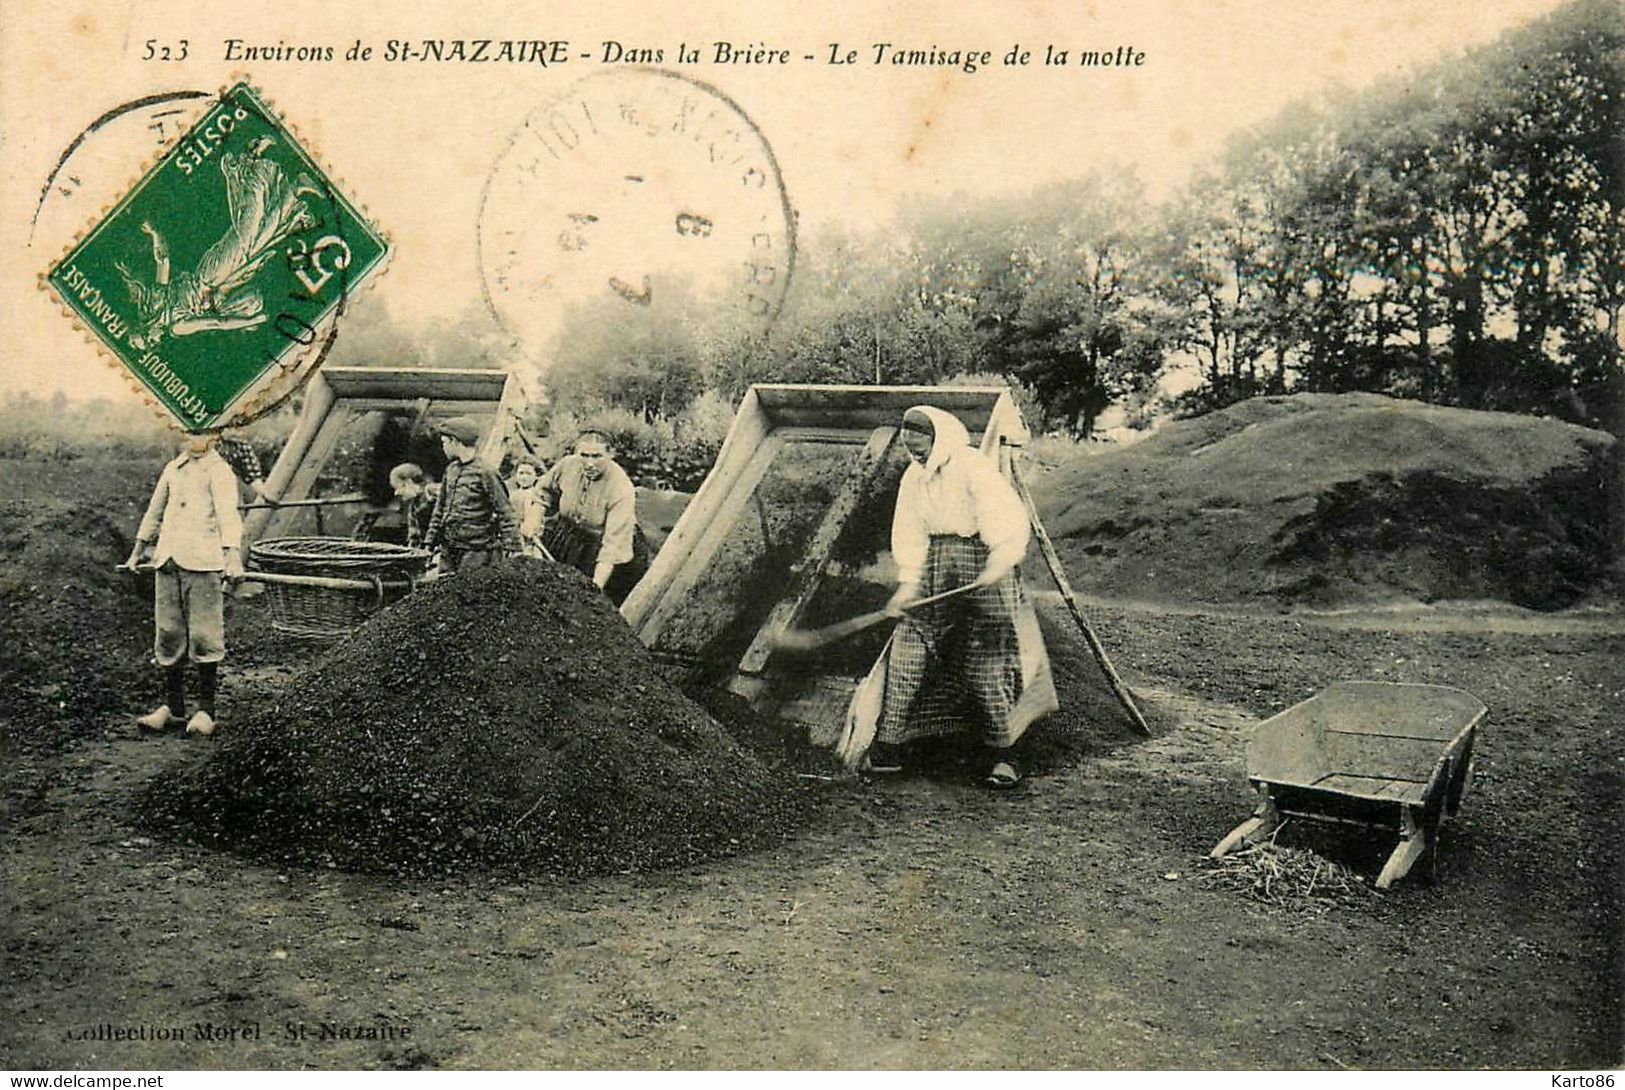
{"type": "Point", "coordinates": [218, 278]}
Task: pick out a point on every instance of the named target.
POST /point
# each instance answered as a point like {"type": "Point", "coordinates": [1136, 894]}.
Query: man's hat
{"type": "Point", "coordinates": [460, 428]}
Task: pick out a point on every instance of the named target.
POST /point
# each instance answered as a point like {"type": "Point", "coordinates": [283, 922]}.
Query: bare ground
{"type": "Point", "coordinates": [922, 922]}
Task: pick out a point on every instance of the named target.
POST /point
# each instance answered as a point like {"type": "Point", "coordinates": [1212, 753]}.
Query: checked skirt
{"type": "Point", "coordinates": [956, 665]}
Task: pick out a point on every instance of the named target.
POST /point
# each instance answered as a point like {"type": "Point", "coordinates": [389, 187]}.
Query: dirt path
{"type": "Point", "coordinates": [1450, 616]}
{"type": "Point", "coordinates": [920, 923]}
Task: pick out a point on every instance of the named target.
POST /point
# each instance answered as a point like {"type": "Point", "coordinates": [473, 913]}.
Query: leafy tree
{"type": "Point", "coordinates": [1457, 239]}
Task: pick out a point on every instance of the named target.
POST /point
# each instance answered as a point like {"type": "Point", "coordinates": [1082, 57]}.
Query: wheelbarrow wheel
{"type": "Point", "coordinates": [1461, 780]}
{"type": "Point", "coordinates": [1419, 830]}
{"type": "Point", "coordinates": [1433, 816]}
{"type": "Point", "coordinates": [1430, 855]}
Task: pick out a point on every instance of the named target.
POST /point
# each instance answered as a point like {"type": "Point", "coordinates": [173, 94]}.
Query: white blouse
{"type": "Point", "coordinates": [963, 494]}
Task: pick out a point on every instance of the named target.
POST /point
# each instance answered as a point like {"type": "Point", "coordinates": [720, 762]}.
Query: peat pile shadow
{"type": "Point", "coordinates": [503, 719]}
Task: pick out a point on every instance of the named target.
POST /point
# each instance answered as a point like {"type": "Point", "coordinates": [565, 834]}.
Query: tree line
{"type": "Point", "coordinates": [1456, 236]}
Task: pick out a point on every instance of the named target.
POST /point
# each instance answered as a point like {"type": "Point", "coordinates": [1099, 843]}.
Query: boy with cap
{"type": "Point", "coordinates": [191, 535]}
{"type": "Point", "coordinates": [472, 522]}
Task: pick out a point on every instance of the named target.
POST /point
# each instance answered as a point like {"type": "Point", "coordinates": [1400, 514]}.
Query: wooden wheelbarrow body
{"type": "Point", "coordinates": [1371, 753]}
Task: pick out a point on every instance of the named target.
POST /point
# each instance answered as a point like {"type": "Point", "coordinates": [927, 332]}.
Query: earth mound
{"type": "Point", "coordinates": [503, 719]}
{"type": "Point", "coordinates": [1326, 499]}
{"type": "Point", "coordinates": [77, 634]}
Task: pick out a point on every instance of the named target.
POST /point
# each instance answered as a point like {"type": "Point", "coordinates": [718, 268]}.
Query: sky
{"type": "Point", "coordinates": [418, 142]}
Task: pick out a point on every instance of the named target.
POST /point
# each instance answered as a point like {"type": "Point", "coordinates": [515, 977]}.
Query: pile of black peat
{"type": "Point", "coordinates": [75, 633]}
{"type": "Point", "coordinates": [504, 719]}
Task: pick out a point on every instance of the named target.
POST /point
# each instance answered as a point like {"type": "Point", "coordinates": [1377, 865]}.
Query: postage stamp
{"type": "Point", "coordinates": [642, 187]}
{"type": "Point", "coordinates": [216, 280]}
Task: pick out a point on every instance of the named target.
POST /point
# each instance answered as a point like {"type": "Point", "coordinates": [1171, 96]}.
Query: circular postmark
{"type": "Point", "coordinates": [637, 188]}
{"type": "Point", "coordinates": [217, 278]}
{"type": "Point", "coordinates": [95, 163]}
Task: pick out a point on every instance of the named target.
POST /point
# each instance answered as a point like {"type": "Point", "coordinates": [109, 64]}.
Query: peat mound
{"type": "Point", "coordinates": [77, 634]}
{"type": "Point", "coordinates": [1327, 500]}
{"type": "Point", "coordinates": [503, 719]}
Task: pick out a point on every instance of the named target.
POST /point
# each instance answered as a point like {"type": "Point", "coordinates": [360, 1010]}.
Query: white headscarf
{"type": "Point", "coordinates": [948, 435]}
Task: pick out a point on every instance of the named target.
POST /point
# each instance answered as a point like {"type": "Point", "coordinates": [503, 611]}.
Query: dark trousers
{"type": "Point", "coordinates": [571, 543]}
{"type": "Point", "coordinates": [452, 560]}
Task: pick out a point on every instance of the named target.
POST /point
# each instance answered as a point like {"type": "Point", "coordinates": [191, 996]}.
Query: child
{"type": "Point", "coordinates": [198, 532]}
{"type": "Point", "coordinates": [472, 522]}
{"type": "Point", "coordinates": [416, 494]}
{"type": "Point", "coordinates": [406, 520]}
{"type": "Point", "coordinates": [528, 505]}
{"type": "Point", "coordinates": [244, 461]}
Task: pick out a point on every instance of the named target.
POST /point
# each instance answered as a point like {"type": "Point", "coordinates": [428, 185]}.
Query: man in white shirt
{"type": "Point", "coordinates": [191, 535]}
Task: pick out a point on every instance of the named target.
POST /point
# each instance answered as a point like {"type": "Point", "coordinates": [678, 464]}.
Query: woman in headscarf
{"type": "Point", "coordinates": [958, 522]}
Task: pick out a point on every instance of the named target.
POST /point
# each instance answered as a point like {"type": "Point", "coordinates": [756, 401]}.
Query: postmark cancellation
{"type": "Point", "coordinates": [642, 187]}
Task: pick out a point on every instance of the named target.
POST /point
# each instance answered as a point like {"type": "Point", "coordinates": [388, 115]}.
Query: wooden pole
{"type": "Point", "coordinates": [324, 582]}
{"type": "Point", "coordinates": [1053, 559]}
{"type": "Point", "coordinates": [319, 501]}
{"type": "Point", "coordinates": [318, 403]}
{"type": "Point", "coordinates": [811, 640]}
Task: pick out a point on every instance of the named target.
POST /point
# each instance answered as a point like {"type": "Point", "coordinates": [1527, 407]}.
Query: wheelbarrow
{"type": "Point", "coordinates": [1391, 757]}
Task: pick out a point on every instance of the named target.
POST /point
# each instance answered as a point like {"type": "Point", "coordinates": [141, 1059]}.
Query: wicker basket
{"type": "Point", "coordinates": [325, 587]}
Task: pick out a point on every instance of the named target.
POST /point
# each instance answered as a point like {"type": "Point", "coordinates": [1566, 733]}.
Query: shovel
{"type": "Point", "coordinates": [813, 639]}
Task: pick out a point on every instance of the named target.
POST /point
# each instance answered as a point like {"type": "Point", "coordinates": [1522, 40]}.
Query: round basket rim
{"type": "Point", "coordinates": [335, 550]}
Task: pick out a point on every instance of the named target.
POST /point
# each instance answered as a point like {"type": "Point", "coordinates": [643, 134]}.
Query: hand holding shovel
{"type": "Point", "coordinates": [139, 562]}
{"type": "Point", "coordinates": [813, 639]}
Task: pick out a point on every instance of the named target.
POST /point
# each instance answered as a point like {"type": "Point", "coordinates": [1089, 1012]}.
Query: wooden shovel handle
{"type": "Point", "coordinates": [933, 599]}
{"type": "Point", "coordinates": [324, 582]}
{"type": "Point", "coordinates": [820, 637]}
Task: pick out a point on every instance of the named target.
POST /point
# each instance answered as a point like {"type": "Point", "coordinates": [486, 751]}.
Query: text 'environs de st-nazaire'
{"type": "Point", "coordinates": [547, 52]}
